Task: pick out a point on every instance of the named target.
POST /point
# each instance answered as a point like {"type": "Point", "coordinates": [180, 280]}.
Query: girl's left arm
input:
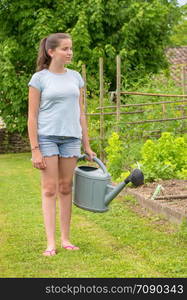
{"type": "Point", "coordinates": [83, 122]}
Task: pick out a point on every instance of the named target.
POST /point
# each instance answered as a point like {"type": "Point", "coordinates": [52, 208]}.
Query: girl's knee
{"type": "Point", "coordinates": [65, 188]}
{"type": "Point", "coordinates": [49, 190]}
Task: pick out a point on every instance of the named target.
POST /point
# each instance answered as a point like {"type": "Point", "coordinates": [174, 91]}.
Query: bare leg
{"type": "Point", "coordinates": [49, 182]}
{"type": "Point", "coordinates": [66, 171]}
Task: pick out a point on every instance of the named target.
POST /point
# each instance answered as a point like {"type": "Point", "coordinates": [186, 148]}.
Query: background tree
{"type": "Point", "coordinates": [179, 36]}
{"type": "Point", "coordinates": [137, 30]}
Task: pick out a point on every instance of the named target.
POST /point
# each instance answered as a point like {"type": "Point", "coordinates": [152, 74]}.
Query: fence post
{"type": "Point", "coordinates": [163, 110]}
{"type": "Point", "coordinates": [101, 100]}
{"type": "Point", "coordinates": [184, 87]}
{"type": "Point", "coordinates": [118, 90]}
{"type": "Point", "coordinates": [184, 79]}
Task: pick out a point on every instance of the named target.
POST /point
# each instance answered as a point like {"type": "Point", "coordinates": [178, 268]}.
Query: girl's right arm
{"type": "Point", "coordinates": [33, 109]}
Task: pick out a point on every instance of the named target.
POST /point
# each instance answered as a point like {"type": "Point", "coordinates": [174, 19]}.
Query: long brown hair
{"type": "Point", "coordinates": [50, 42]}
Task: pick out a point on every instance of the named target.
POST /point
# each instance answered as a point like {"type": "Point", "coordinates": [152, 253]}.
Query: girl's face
{"type": "Point", "coordinates": [63, 53]}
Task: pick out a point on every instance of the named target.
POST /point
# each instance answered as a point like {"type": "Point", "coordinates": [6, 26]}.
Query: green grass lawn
{"type": "Point", "coordinates": [117, 243]}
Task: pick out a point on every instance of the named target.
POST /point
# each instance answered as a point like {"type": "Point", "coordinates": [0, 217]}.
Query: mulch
{"type": "Point", "coordinates": [170, 192]}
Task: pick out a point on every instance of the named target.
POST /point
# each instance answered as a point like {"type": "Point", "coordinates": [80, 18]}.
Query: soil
{"type": "Point", "coordinates": [172, 187]}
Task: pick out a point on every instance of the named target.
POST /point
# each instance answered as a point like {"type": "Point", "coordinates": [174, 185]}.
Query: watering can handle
{"type": "Point", "coordinates": [97, 160]}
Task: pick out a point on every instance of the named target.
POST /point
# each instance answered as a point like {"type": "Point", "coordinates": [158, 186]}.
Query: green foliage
{"type": "Point", "coordinates": [160, 83]}
{"type": "Point", "coordinates": [114, 152]}
{"type": "Point", "coordinates": [137, 30]}
{"type": "Point", "coordinates": [13, 96]}
{"type": "Point", "coordinates": [148, 21]}
{"type": "Point", "coordinates": [182, 233]}
{"type": "Point", "coordinates": [179, 38]}
{"type": "Point", "coordinates": [164, 158]}
{"type": "Point", "coordinates": [120, 156]}
{"type": "Point", "coordinates": [128, 151]}
{"type": "Point", "coordinates": [134, 135]}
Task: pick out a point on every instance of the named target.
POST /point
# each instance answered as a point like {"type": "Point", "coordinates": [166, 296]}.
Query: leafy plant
{"type": "Point", "coordinates": [178, 37]}
{"type": "Point", "coordinates": [164, 158]}
{"type": "Point", "coordinates": [114, 152]}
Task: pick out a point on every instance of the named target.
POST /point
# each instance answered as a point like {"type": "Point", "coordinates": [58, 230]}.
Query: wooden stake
{"type": "Point", "coordinates": [101, 100]}
{"type": "Point", "coordinates": [171, 197]}
{"type": "Point", "coordinates": [184, 83]}
{"type": "Point", "coordinates": [118, 90]}
{"type": "Point", "coordinates": [143, 104]}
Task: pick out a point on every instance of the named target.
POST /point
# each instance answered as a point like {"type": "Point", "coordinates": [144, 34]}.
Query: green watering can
{"type": "Point", "coordinates": [93, 189]}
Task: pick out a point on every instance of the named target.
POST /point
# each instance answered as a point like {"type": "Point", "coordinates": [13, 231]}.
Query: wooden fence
{"type": "Point", "coordinates": [118, 107]}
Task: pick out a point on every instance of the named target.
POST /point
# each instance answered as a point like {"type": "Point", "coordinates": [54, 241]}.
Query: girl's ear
{"type": "Point", "coordinates": [50, 52]}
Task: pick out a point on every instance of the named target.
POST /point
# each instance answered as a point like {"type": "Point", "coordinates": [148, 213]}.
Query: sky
{"type": "Point", "coordinates": [182, 2]}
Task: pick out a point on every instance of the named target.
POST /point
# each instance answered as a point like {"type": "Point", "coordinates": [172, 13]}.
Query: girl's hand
{"type": "Point", "coordinates": [38, 161]}
{"type": "Point", "coordinates": [90, 154]}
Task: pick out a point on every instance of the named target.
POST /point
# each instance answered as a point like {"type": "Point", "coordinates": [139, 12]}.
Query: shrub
{"type": "Point", "coordinates": [114, 152]}
{"type": "Point", "coordinates": [164, 158]}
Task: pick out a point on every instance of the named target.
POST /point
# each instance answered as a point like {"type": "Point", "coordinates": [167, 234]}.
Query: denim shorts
{"type": "Point", "coordinates": [59, 145]}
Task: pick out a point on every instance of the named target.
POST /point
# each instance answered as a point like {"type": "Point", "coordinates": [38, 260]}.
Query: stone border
{"type": "Point", "coordinates": [156, 207]}
{"type": "Point", "coordinates": [13, 142]}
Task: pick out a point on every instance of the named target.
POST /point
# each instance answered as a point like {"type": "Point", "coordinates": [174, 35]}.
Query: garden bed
{"type": "Point", "coordinates": [172, 203]}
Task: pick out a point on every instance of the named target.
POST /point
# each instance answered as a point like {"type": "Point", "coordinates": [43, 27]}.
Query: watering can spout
{"type": "Point", "coordinates": [136, 177]}
{"type": "Point", "coordinates": [113, 191]}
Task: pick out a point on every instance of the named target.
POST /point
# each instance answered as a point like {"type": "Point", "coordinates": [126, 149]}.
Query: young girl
{"type": "Point", "coordinates": [56, 127]}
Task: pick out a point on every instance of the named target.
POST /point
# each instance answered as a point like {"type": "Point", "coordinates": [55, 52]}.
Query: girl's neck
{"type": "Point", "coordinates": [57, 69]}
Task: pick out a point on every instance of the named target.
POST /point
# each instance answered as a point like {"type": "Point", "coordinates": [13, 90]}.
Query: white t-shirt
{"type": "Point", "coordinates": [59, 111]}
